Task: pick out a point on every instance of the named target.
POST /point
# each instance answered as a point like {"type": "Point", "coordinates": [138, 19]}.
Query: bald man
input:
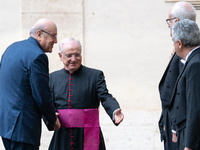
{"type": "Point", "coordinates": [24, 88]}
{"type": "Point", "coordinates": [179, 11]}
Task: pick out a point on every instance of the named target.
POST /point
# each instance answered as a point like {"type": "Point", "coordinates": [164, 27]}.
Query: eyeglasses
{"type": "Point", "coordinates": [76, 55]}
{"type": "Point", "coordinates": [168, 20]}
{"type": "Point", "coordinates": [52, 35]}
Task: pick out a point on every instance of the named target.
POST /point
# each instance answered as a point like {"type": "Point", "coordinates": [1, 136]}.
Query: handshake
{"type": "Point", "coordinates": [51, 127]}
{"type": "Point", "coordinates": [57, 123]}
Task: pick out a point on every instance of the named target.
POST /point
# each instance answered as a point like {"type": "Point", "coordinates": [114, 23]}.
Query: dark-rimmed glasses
{"type": "Point", "coordinates": [52, 35]}
{"type": "Point", "coordinates": [168, 20]}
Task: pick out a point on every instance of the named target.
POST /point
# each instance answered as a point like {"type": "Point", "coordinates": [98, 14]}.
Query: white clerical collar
{"type": "Point", "coordinates": [184, 61]}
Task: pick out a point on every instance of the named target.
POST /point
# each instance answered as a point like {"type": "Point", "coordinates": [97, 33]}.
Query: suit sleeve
{"type": "Point", "coordinates": [107, 100]}
{"type": "Point", "coordinates": [39, 80]}
{"type": "Point", "coordinates": [192, 134]}
{"type": "Point", "coordinates": [161, 126]}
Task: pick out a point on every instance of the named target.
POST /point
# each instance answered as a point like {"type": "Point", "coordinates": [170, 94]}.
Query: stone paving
{"type": "Point", "coordinates": [138, 131]}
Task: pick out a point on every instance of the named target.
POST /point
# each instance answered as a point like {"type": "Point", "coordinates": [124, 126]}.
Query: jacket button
{"type": "Point", "coordinates": [177, 106]}
{"type": "Point", "coordinates": [174, 120]}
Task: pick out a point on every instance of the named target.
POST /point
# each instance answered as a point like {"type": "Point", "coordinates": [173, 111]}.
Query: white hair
{"type": "Point", "coordinates": [68, 40]}
{"type": "Point", "coordinates": [183, 10]}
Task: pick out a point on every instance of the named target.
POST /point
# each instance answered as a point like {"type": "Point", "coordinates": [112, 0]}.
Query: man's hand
{"type": "Point", "coordinates": [187, 148]}
{"type": "Point", "coordinates": [174, 137]}
{"type": "Point", "coordinates": [119, 116]}
{"type": "Point", "coordinates": [57, 123]}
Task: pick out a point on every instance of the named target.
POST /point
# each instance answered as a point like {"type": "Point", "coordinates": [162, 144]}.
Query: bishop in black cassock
{"type": "Point", "coordinates": [77, 92]}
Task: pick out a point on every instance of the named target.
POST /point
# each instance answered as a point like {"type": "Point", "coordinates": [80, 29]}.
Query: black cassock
{"type": "Point", "coordinates": [82, 89]}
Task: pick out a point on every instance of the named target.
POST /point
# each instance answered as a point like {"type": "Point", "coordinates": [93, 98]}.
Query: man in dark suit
{"type": "Point", "coordinates": [184, 107]}
{"type": "Point", "coordinates": [179, 11]}
{"type": "Point", "coordinates": [77, 92]}
{"type": "Point", "coordinates": [24, 88]}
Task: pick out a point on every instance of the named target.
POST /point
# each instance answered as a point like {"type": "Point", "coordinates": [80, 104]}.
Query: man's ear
{"type": "Point", "coordinates": [180, 44]}
{"type": "Point", "coordinates": [176, 20]}
{"type": "Point", "coordinates": [60, 55]}
{"type": "Point", "coordinates": [38, 34]}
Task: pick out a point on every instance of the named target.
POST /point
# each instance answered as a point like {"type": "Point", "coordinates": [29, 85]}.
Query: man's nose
{"type": "Point", "coordinates": [55, 40]}
{"type": "Point", "coordinates": [73, 58]}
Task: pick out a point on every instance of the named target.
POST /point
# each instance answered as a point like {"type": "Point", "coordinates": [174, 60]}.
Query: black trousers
{"type": "Point", "coordinates": [168, 144]}
{"type": "Point", "coordinates": [12, 145]}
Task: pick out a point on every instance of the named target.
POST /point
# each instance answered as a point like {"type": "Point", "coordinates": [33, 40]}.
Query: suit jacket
{"type": "Point", "coordinates": [185, 103]}
{"type": "Point", "coordinates": [24, 92]}
{"type": "Point", "coordinates": [83, 89]}
{"type": "Point", "coordinates": [166, 87]}
{"type": "Point", "coordinates": [168, 81]}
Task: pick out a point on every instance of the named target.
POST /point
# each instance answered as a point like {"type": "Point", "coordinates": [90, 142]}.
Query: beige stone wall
{"type": "Point", "coordinates": [10, 27]}
{"type": "Point", "coordinates": [129, 40]}
{"type": "Point", "coordinates": [67, 14]}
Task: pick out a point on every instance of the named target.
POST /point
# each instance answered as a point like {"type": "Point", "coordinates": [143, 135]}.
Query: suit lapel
{"type": "Point", "coordinates": [166, 70]}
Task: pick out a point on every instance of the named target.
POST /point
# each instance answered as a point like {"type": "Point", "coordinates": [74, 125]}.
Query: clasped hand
{"type": "Point", "coordinates": [57, 123]}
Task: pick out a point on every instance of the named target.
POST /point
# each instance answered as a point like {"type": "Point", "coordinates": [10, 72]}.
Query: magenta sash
{"type": "Point", "coordinates": [83, 118]}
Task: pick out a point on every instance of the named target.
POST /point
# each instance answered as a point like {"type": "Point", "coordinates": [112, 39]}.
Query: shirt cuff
{"type": "Point", "coordinates": [173, 131]}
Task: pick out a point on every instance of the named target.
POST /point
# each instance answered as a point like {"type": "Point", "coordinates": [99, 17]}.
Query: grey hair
{"type": "Point", "coordinates": [35, 28]}
{"type": "Point", "coordinates": [187, 31]}
{"type": "Point", "coordinates": [183, 10]}
{"type": "Point", "coordinates": [68, 40]}
{"type": "Point", "coordinates": [41, 24]}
